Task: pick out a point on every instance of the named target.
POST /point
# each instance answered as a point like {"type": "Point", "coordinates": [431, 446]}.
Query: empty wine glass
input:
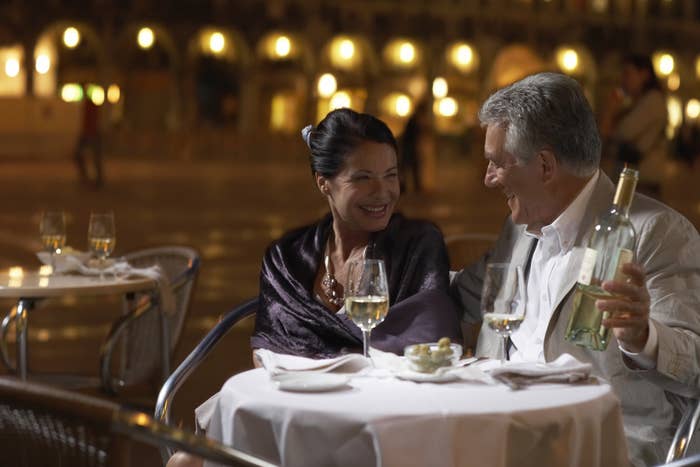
{"type": "Point", "coordinates": [367, 296]}
{"type": "Point", "coordinates": [101, 236]}
{"type": "Point", "coordinates": [52, 229]}
{"type": "Point", "coordinates": [503, 300]}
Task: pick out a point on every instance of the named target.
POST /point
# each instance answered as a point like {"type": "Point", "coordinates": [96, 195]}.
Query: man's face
{"type": "Point", "coordinates": [521, 183]}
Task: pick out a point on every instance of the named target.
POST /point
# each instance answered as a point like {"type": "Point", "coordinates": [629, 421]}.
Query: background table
{"type": "Point", "coordinates": [30, 287]}
{"type": "Point", "coordinates": [390, 422]}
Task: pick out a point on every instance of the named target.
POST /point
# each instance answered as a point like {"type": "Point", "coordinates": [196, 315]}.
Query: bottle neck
{"type": "Point", "coordinates": [624, 193]}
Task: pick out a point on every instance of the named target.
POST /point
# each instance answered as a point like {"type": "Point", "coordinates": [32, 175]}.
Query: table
{"type": "Point", "coordinates": [390, 422]}
{"type": "Point", "coordinates": [30, 286]}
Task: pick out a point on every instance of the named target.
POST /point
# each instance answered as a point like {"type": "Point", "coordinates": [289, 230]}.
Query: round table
{"type": "Point", "coordinates": [30, 286]}
{"type": "Point", "coordinates": [390, 422]}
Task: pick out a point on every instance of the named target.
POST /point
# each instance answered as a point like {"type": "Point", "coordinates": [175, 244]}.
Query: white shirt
{"type": "Point", "coordinates": [551, 261]}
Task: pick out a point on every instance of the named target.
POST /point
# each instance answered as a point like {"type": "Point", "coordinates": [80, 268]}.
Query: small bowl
{"type": "Point", "coordinates": [427, 358]}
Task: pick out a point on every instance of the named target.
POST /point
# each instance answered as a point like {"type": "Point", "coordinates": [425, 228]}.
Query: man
{"type": "Point", "coordinates": [543, 152]}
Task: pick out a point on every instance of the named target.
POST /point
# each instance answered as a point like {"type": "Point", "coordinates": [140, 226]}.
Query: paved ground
{"type": "Point", "coordinates": [229, 211]}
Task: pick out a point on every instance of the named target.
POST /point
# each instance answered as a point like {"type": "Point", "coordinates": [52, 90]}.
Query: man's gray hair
{"type": "Point", "coordinates": [546, 111]}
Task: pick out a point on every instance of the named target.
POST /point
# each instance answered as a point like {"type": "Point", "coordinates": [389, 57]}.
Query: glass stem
{"type": "Point", "coordinates": [504, 357]}
{"type": "Point", "coordinates": [365, 343]}
{"type": "Point", "coordinates": [53, 262]}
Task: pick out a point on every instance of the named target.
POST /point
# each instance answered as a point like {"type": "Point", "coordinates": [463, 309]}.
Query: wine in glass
{"type": "Point", "coordinates": [101, 236]}
{"type": "Point", "coordinates": [367, 296]}
{"type": "Point", "coordinates": [52, 229]}
{"type": "Point", "coordinates": [503, 300]}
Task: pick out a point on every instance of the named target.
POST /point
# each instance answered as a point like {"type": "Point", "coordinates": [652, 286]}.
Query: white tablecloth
{"type": "Point", "coordinates": [390, 422]}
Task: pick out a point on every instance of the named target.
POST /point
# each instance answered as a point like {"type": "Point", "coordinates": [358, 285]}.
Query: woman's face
{"type": "Point", "coordinates": [363, 194]}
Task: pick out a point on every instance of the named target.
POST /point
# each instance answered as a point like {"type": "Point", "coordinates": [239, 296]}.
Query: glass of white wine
{"type": "Point", "coordinates": [52, 229]}
{"type": "Point", "coordinates": [503, 300]}
{"type": "Point", "coordinates": [101, 236]}
{"type": "Point", "coordinates": [367, 296]}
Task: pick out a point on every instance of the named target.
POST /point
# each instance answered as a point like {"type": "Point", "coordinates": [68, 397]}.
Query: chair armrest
{"type": "Point", "coordinates": [684, 433]}
{"type": "Point", "coordinates": [141, 427]}
{"type": "Point", "coordinates": [192, 361]}
{"type": "Point", "coordinates": [4, 326]}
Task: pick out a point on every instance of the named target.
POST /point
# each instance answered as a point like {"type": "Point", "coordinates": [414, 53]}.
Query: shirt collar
{"type": "Point", "coordinates": [564, 229]}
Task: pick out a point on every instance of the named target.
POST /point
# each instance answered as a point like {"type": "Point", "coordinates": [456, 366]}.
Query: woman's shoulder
{"type": "Point", "coordinates": [298, 237]}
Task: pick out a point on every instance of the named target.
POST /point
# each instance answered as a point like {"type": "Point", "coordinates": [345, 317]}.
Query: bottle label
{"type": "Point", "coordinates": [625, 256]}
{"type": "Point", "coordinates": [587, 266]}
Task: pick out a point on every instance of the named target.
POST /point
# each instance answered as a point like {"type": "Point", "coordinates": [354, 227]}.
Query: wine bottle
{"type": "Point", "coordinates": [610, 246]}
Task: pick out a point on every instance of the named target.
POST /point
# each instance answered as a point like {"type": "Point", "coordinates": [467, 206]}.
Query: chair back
{"type": "Point", "coordinates": [41, 425]}
{"type": "Point", "coordinates": [466, 248]}
{"type": "Point", "coordinates": [147, 335]}
{"type": "Point", "coordinates": [192, 361]}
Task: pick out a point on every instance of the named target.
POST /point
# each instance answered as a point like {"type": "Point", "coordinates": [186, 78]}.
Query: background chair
{"type": "Point", "coordinates": [466, 248]}
{"type": "Point", "coordinates": [192, 361]}
{"type": "Point", "coordinates": [42, 425]}
{"type": "Point", "coordinates": [145, 336]}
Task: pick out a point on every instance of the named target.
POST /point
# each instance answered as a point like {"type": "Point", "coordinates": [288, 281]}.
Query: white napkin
{"type": "Point", "coordinates": [277, 364]}
{"type": "Point", "coordinates": [76, 263]}
{"type": "Point", "coordinates": [565, 369]}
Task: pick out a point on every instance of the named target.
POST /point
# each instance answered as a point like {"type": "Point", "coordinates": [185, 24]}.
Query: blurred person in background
{"type": "Point", "coordinates": [88, 151]}
{"type": "Point", "coordinates": [633, 125]}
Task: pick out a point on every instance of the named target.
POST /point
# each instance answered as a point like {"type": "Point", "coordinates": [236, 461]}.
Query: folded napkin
{"type": "Point", "coordinates": [77, 263]}
{"type": "Point", "coordinates": [565, 369]}
{"type": "Point", "coordinates": [277, 364]}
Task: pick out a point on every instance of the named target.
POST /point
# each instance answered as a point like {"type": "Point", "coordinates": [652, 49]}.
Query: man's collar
{"type": "Point", "coordinates": [565, 227]}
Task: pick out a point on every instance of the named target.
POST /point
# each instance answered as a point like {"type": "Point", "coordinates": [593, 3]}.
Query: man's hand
{"type": "Point", "coordinates": [629, 312]}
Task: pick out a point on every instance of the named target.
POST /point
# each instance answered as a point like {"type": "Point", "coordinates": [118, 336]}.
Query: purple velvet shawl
{"type": "Point", "coordinates": [290, 320]}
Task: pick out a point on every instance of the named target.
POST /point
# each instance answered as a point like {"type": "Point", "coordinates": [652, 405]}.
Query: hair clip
{"type": "Point", "coordinates": [306, 134]}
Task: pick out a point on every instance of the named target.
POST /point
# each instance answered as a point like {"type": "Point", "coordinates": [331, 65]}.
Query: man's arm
{"type": "Point", "coordinates": [666, 297]}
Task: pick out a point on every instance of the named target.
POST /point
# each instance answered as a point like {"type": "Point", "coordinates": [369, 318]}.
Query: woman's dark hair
{"type": "Point", "coordinates": [338, 134]}
{"type": "Point", "coordinates": [643, 63]}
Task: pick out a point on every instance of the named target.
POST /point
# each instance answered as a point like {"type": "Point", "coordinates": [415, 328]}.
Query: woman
{"type": "Point", "coordinates": [354, 164]}
{"type": "Point", "coordinates": [635, 123]}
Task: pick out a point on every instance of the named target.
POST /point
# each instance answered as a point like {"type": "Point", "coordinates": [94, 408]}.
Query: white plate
{"type": "Point", "coordinates": [311, 382]}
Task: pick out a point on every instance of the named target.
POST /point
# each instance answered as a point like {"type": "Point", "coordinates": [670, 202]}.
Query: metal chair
{"type": "Point", "coordinates": [180, 375]}
{"type": "Point", "coordinates": [42, 425]}
{"type": "Point", "coordinates": [146, 334]}
{"type": "Point", "coordinates": [466, 248]}
{"type": "Point", "coordinates": [691, 461]}
{"type": "Point", "coordinates": [684, 435]}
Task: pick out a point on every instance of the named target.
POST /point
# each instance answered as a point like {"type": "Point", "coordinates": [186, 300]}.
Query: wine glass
{"type": "Point", "coordinates": [52, 229]}
{"type": "Point", "coordinates": [101, 236]}
{"type": "Point", "coordinates": [503, 300]}
{"type": "Point", "coordinates": [367, 296]}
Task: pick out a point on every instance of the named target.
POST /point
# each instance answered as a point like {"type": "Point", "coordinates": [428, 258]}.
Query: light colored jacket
{"type": "Point", "coordinates": [668, 247]}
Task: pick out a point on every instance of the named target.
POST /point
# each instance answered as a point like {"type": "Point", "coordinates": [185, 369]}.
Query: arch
{"type": "Point", "coordinates": [368, 64]}
{"type": "Point", "coordinates": [213, 81]}
{"type": "Point", "coordinates": [126, 45]}
{"type": "Point", "coordinates": [86, 62]}
{"type": "Point", "coordinates": [300, 52]}
{"type": "Point", "coordinates": [149, 78]}
{"type": "Point", "coordinates": [513, 62]}
{"type": "Point", "coordinates": [240, 53]}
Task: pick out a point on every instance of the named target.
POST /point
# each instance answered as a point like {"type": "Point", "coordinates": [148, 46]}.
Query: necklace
{"type": "Point", "coordinates": [329, 285]}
